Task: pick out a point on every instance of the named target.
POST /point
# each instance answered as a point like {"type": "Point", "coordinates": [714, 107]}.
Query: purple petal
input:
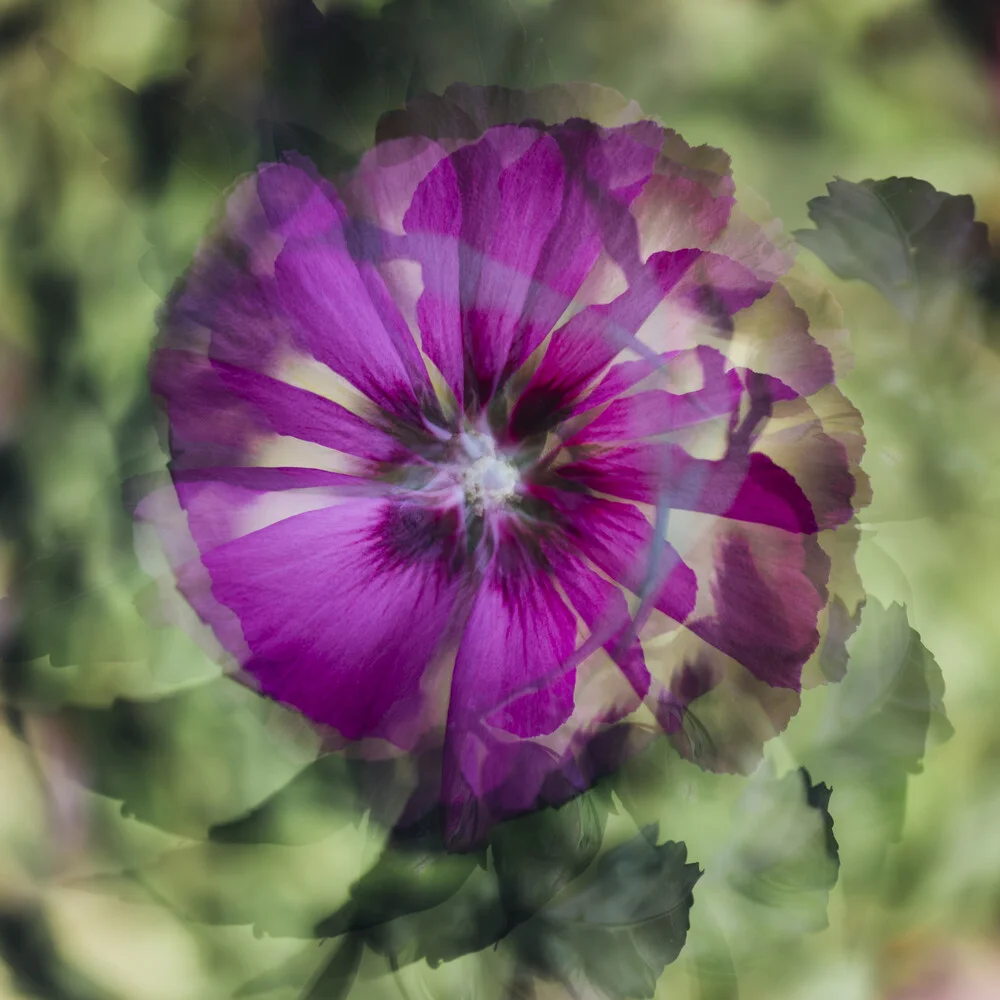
{"type": "Point", "coordinates": [345, 315]}
{"type": "Point", "coordinates": [435, 215]}
{"type": "Point", "coordinates": [518, 231]}
{"type": "Point", "coordinates": [221, 412]}
{"type": "Point", "coordinates": [737, 666]}
{"type": "Point", "coordinates": [225, 312]}
{"type": "Point", "coordinates": [700, 305]}
{"type": "Point", "coordinates": [379, 190]}
{"type": "Point", "coordinates": [604, 610]}
{"type": "Point", "coordinates": [260, 480]}
{"type": "Point", "coordinates": [674, 212]}
{"type": "Point", "coordinates": [345, 319]}
{"type": "Point", "coordinates": [618, 539]}
{"type": "Point", "coordinates": [296, 200]}
{"type": "Point", "coordinates": [510, 674]}
{"type": "Point", "coordinates": [767, 597]}
{"type": "Point", "coordinates": [491, 206]}
{"type": "Point", "coordinates": [774, 337]}
{"type": "Point", "coordinates": [818, 442]}
{"type": "Point", "coordinates": [582, 347]}
{"type": "Point", "coordinates": [655, 411]}
{"type": "Point", "coordinates": [346, 630]}
{"type": "Point", "coordinates": [519, 636]}
{"type": "Point", "coordinates": [605, 169]}
{"type": "Point", "coordinates": [743, 487]}
{"type": "Point", "coordinates": [690, 286]}
{"type": "Point", "coordinates": [527, 206]}
{"type": "Point", "coordinates": [286, 221]}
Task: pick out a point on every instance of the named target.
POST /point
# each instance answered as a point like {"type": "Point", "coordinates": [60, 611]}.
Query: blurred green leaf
{"type": "Point", "coordinates": [899, 234]}
{"type": "Point", "coordinates": [144, 752]}
{"type": "Point", "coordinates": [124, 747]}
{"type": "Point", "coordinates": [656, 776]}
{"type": "Point", "coordinates": [336, 977]}
{"type": "Point", "coordinates": [72, 622]}
{"type": "Point", "coordinates": [276, 890]}
{"type": "Point", "coordinates": [538, 854]}
{"type": "Point", "coordinates": [32, 956]}
{"type": "Point", "coordinates": [413, 873]}
{"type": "Point", "coordinates": [620, 925]}
{"type": "Point", "coordinates": [880, 718]}
{"type": "Point", "coordinates": [469, 920]}
{"type": "Point", "coordinates": [318, 800]}
{"type": "Point", "coordinates": [710, 965]}
{"type": "Point", "coordinates": [534, 857]}
{"type": "Point", "coordinates": [892, 699]}
{"type": "Point", "coordinates": [300, 971]}
{"type": "Point", "coordinates": [784, 859]}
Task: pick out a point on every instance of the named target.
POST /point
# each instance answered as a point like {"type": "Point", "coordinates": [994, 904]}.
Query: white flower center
{"type": "Point", "coordinates": [489, 481]}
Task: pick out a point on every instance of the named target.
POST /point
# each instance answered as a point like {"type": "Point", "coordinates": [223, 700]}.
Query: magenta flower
{"type": "Point", "coordinates": [513, 445]}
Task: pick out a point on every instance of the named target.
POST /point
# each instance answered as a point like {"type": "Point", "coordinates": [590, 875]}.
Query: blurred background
{"type": "Point", "coordinates": [122, 122]}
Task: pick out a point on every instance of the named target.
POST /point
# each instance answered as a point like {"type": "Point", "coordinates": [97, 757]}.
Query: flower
{"type": "Point", "coordinates": [511, 443]}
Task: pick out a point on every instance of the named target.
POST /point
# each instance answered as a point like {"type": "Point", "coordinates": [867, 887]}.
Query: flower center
{"type": "Point", "coordinates": [489, 482]}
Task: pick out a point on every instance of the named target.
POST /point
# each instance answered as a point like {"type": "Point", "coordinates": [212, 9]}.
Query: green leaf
{"type": "Point", "coordinates": [900, 235]}
{"type": "Point", "coordinates": [319, 972]}
{"type": "Point", "coordinates": [785, 858]}
{"type": "Point", "coordinates": [336, 978]}
{"type": "Point", "coordinates": [413, 873]}
{"type": "Point", "coordinates": [318, 800]}
{"type": "Point", "coordinates": [535, 856]}
{"type": "Point", "coordinates": [276, 890]}
{"type": "Point", "coordinates": [538, 854]}
{"type": "Point", "coordinates": [330, 979]}
{"type": "Point", "coordinates": [892, 699]}
{"type": "Point", "coordinates": [468, 921]}
{"type": "Point", "coordinates": [657, 776]}
{"type": "Point", "coordinates": [618, 926]}
{"type": "Point", "coordinates": [710, 965]}
{"type": "Point", "coordinates": [880, 718]}
{"type": "Point", "coordinates": [143, 752]}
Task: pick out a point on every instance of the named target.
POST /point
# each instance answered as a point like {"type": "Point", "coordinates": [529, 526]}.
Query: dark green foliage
{"type": "Point", "coordinates": [617, 921]}
{"type": "Point", "coordinates": [773, 871]}
{"type": "Point", "coordinates": [620, 925]}
{"type": "Point", "coordinates": [899, 234]}
{"type": "Point", "coordinates": [537, 855]}
{"type": "Point", "coordinates": [421, 902]}
{"type": "Point", "coordinates": [414, 873]}
{"type": "Point", "coordinates": [336, 977]}
{"type": "Point", "coordinates": [468, 921]}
